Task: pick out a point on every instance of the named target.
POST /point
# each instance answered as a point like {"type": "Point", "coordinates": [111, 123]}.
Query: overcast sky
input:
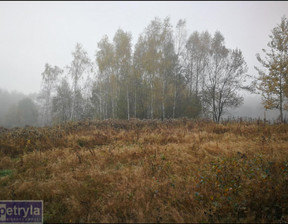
{"type": "Point", "coordinates": [35, 33]}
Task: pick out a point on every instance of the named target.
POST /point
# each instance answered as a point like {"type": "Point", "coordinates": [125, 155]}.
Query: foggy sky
{"type": "Point", "coordinates": [35, 33]}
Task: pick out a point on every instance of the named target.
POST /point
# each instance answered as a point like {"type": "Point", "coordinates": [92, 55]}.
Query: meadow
{"type": "Point", "coordinates": [149, 171]}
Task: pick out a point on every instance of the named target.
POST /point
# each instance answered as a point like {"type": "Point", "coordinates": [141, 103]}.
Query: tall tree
{"type": "Point", "coordinates": [197, 53]}
{"type": "Point", "coordinates": [106, 63]}
{"type": "Point", "coordinates": [79, 65]}
{"type": "Point", "coordinates": [123, 64]}
{"type": "Point", "coordinates": [49, 80]}
{"type": "Point", "coordinates": [180, 39]}
{"type": "Point", "coordinates": [151, 59]}
{"type": "Point", "coordinates": [157, 60]}
{"type": "Point", "coordinates": [62, 102]}
{"type": "Point", "coordinates": [273, 81]}
{"type": "Point", "coordinates": [140, 84]}
{"type": "Point", "coordinates": [226, 75]}
{"type": "Point", "coordinates": [168, 62]}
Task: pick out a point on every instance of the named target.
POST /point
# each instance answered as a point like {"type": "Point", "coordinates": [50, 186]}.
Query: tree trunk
{"type": "Point", "coordinates": [281, 107]}
{"type": "Point", "coordinates": [112, 102]}
{"type": "Point", "coordinates": [163, 100]}
{"type": "Point", "coordinates": [128, 105]}
{"type": "Point", "coordinates": [175, 95]}
{"type": "Point", "coordinates": [135, 105]}
{"type": "Point", "coordinates": [73, 100]}
{"type": "Point", "coordinates": [191, 83]}
{"type": "Point", "coordinates": [151, 102]}
{"type": "Point", "coordinates": [281, 99]}
{"type": "Point", "coordinates": [197, 78]}
{"type": "Point", "coordinates": [174, 102]}
{"type": "Point", "coordinates": [100, 104]}
{"type": "Point", "coordinates": [213, 103]}
{"type": "Point", "coordinates": [220, 107]}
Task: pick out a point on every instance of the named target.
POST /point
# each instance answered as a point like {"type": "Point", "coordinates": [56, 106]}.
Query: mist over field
{"type": "Point", "coordinates": [251, 108]}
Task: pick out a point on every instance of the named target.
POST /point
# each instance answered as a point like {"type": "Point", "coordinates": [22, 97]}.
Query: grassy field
{"type": "Point", "coordinates": [149, 171]}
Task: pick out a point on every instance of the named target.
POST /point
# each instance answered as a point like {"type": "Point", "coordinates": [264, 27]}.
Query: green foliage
{"type": "Point", "coordinates": [4, 173]}
{"type": "Point", "coordinates": [242, 187]}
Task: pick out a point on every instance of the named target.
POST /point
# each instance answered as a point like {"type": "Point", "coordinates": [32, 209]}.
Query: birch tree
{"type": "Point", "coordinates": [157, 63]}
{"type": "Point", "coordinates": [49, 80]}
{"type": "Point", "coordinates": [197, 47]}
{"type": "Point", "coordinates": [151, 59]}
{"type": "Point", "coordinates": [272, 82]}
{"type": "Point", "coordinates": [180, 39]}
{"type": "Point", "coordinates": [79, 65]}
{"type": "Point", "coordinates": [106, 64]}
{"type": "Point", "coordinates": [140, 82]}
{"type": "Point", "coordinates": [123, 64]}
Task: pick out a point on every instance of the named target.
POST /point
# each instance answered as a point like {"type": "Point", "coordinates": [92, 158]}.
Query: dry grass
{"type": "Point", "coordinates": [149, 171]}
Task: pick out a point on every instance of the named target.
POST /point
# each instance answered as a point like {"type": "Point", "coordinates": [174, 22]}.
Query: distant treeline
{"type": "Point", "coordinates": [17, 109]}
{"type": "Point", "coordinates": [167, 74]}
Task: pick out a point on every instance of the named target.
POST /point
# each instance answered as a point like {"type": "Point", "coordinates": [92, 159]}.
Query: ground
{"type": "Point", "coordinates": [149, 171]}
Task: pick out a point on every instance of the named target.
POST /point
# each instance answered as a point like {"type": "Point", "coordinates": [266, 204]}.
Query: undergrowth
{"type": "Point", "coordinates": [149, 171]}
